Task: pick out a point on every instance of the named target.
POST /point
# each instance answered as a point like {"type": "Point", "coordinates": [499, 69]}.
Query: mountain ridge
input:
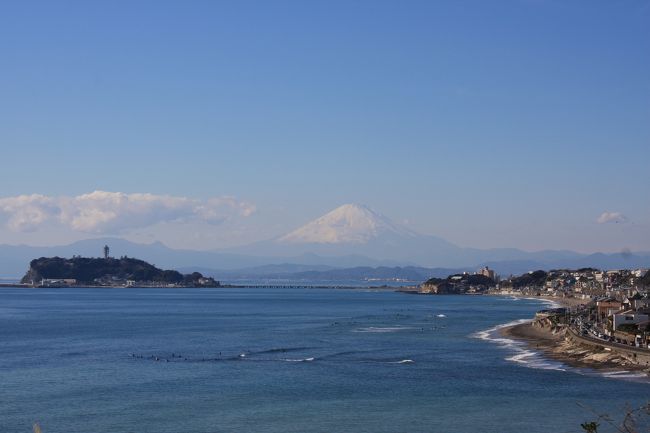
{"type": "Point", "coordinates": [14, 259]}
{"type": "Point", "coordinates": [349, 236]}
{"type": "Point", "coordinates": [354, 229]}
{"type": "Point", "coordinates": [349, 223]}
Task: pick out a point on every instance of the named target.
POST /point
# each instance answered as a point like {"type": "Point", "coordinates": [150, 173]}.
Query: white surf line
{"type": "Point", "coordinates": [310, 359]}
{"type": "Point", "coordinates": [522, 354]}
{"type": "Point", "coordinates": [383, 329]}
{"type": "Point", "coordinates": [529, 358]}
{"type": "Point", "coordinates": [549, 302]}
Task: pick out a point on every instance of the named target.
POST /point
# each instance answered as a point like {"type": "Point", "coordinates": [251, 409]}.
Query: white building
{"type": "Point", "coordinates": [487, 272]}
{"type": "Point", "coordinates": [628, 318]}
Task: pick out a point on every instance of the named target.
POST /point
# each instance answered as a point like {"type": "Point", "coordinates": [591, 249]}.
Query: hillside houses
{"type": "Point", "coordinates": [580, 283]}
{"type": "Point", "coordinates": [585, 283]}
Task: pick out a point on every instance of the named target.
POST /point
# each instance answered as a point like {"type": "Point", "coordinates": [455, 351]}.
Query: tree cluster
{"type": "Point", "coordinates": [87, 270]}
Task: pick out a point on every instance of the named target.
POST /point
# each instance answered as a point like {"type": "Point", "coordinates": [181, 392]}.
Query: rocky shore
{"type": "Point", "coordinates": [556, 344]}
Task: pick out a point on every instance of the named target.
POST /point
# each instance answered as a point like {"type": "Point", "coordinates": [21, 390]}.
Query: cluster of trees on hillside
{"type": "Point", "coordinates": [461, 283]}
{"type": "Point", "coordinates": [530, 279]}
{"type": "Point", "coordinates": [88, 270]}
{"type": "Point", "coordinates": [467, 279]}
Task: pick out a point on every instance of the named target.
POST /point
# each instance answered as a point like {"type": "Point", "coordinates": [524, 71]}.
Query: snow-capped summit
{"type": "Point", "coordinates": [350, 223]}
{"type": "Point", "coordinates": [355, 235]}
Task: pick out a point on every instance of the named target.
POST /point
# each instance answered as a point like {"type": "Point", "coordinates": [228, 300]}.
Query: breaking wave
{"type": "Point", "coordinates": [383, 329]}
{"type": "Point", "coordinates": [300, 360]}
{"type": "Point", "coordinates": [521, 354]}
{"type": "Point", "coordinates": [280, 350]}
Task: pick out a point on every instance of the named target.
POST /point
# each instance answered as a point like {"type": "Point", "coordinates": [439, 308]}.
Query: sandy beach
{"type": "Point", "coordinates": [564, 302]}
{"type": "Point", "coordinates": [555, 346]}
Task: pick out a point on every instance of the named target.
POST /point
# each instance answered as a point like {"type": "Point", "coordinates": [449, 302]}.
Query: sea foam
{"type": "Point", "coordinates": [521, 354]}
{"type": "Point", "coordinates": [383, 329]}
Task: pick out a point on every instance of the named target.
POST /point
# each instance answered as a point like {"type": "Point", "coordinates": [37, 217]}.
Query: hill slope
{"type": "Point", "coordinates": [92, 270]}
{"type": "Point", "coordinates": [350, 223]}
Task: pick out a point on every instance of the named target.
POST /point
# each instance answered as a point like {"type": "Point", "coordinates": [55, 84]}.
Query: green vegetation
{"type": "Point", "coordinates": [461, 283]}
{"type": "Point", "coordinates": [467, 279]}
{"type": "Point", "coordinates": [104, 271]}
{"type": "Point", "coordinates": [530, 279]}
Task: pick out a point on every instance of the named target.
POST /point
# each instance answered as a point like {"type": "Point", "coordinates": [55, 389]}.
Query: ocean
{"type": "Point", "coordinates": [284, 360]}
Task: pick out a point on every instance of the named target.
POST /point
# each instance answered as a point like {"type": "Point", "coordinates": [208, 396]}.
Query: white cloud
{"type": "Point", "coordinates": [611, 217]}
{"type": "Point", "coordinates": [112, 212]}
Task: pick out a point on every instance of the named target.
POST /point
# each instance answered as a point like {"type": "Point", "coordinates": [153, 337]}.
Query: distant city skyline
{"type": "Point", "coordinates": [207, 125]}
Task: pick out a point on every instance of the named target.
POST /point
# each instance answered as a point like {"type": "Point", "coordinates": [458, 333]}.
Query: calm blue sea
{"type": "Point", "coordinates": [293, 360]}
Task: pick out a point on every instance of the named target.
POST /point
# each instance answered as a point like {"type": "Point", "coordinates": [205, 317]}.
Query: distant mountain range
{"type": "Point", "coordinates": [358, 273]}
{"type": "Point", "coordinates": [351, 240]}
{"type": "Point", "coordinates": [14, 259]}
{"type": "Point", "coordinates": [354, 229]}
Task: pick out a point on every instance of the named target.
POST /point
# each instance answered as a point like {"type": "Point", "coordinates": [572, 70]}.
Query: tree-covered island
{"type": "Point", "coordinates": [108, 272]}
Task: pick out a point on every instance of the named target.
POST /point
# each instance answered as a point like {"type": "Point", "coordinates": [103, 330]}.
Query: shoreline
{"type": "Point", "coordinates": [399, 289]}
{"type": "Point", "coordinates": [561, 301]}
{"type": "Point", "coordinates": [555, 346]}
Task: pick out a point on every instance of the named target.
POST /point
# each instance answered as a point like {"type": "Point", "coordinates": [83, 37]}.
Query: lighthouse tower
{"type": "Point", "coordinates": [106, 251]}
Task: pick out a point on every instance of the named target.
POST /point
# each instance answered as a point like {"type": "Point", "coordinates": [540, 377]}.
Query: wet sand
{"type": "Point", "coordinates": [555, 346]}
{"type": "Point", "coordinates": [564, 302]}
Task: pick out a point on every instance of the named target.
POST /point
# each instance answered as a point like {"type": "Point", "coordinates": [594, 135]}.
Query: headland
{"type": "Point", "coordinates": [563, 343]}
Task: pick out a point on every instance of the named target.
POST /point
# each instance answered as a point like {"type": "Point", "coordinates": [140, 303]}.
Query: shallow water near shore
{"type": "Point", "coordinates": [279, 360]}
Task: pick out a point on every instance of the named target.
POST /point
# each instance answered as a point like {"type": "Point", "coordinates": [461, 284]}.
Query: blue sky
{"type": "Point", "coordinates": [505, 123]}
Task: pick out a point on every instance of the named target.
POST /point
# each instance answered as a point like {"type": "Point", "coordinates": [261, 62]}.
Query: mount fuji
{"type": "Point", "coordinates": [347, 224]}
{"type": "Point", "coordinates": [360, 234]}
{"type": "Point", "coordinates": [351, 230]}
{"type": "Point", "coordinates": [357, 230]}
{"type": "Point", "coordinates": [349, 236]}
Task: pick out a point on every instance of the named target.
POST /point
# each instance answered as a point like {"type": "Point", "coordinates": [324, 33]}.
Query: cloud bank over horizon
{"type": "Point", "coordinates": [103, 212]}
{"type": "Point", "coordinates": [611, 217]}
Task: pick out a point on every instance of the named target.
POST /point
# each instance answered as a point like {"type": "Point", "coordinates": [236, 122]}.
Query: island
{"type": "Point", "coordinates": [107, 272]}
